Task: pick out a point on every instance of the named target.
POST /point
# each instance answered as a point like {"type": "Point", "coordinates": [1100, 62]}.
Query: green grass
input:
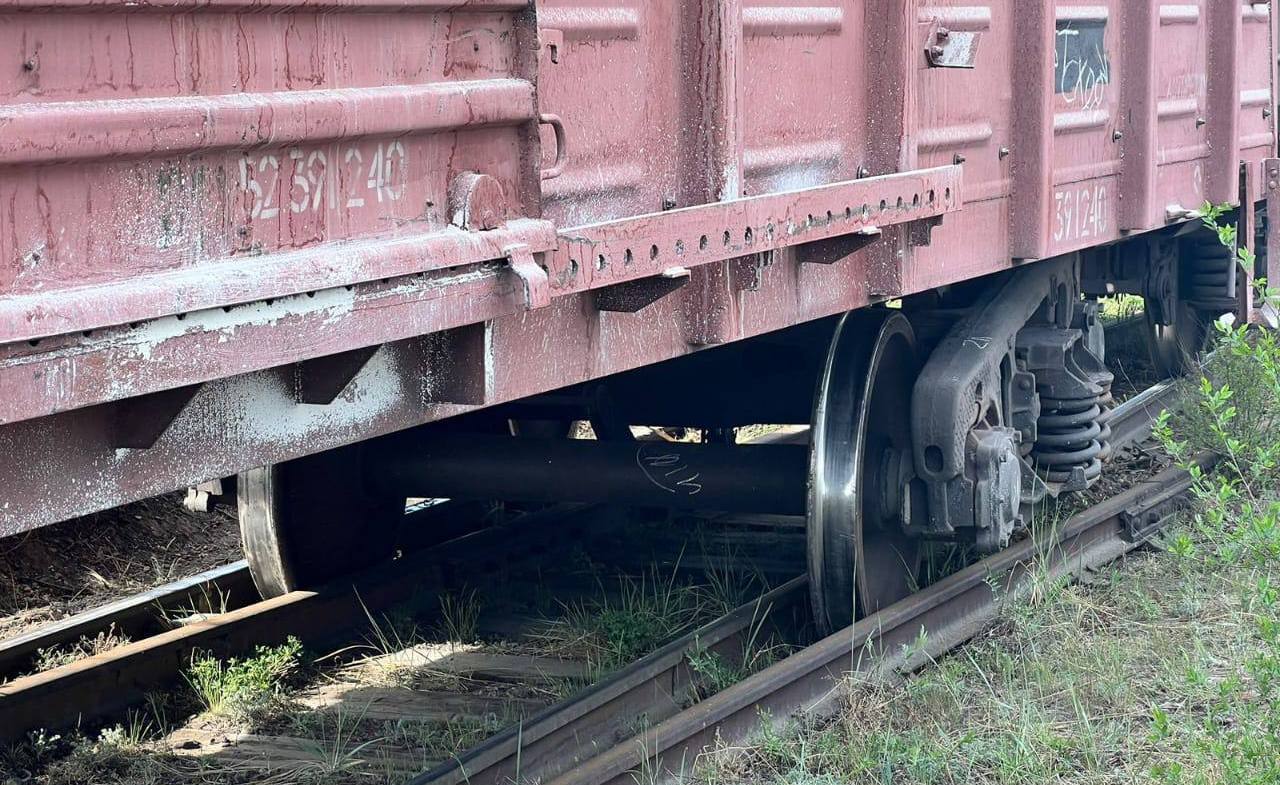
{"type": "Point", "coordinates": [637, 615]}
{"type": "Point", "coordinates": [439, 740]}
{"type": "Point", "coordinates": [57, 656]}
{"type": "Point", "coordinates": [713, 672]}
{"type": "Point", "coordinates": [617, 627]}
{"type": "Point", "coordinates": [1119, 307]}
{"type": "Point", "coordinates": [460, 616]}
{"type": "Point", "coordinates": [236, 687]}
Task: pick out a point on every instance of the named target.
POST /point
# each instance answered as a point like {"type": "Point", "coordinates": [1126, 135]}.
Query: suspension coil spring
{"type": "Point", "coordinates": [1072, 438]}
{"type": "Point", "coordinates": [1207, 277]}
{"type": "Point", "coordinates": [1107, 403]}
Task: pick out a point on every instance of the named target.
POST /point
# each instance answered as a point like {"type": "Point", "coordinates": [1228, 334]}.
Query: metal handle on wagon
{"type": "Point", "coordinates": [562, 147]}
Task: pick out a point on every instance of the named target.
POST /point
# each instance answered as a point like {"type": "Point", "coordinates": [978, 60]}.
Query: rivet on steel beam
{"type": "Point", "coordinates": [1004, 153]}
{"type": "Point", "coordinates": [943, 33]}
{"type": "Point", "coordinates": [29, 65]}
{"type": "Point", "coordinates": [1201, 122]}
{"type": "Point", "coordinates": [937, 51]}
{"type": "Point", "coordinates": [668, 203]}
{"type": "Point", "coordinates": [1117, 136]}
{"type": "Point", "coordinates": [1266, 111]}
{"type": "Point", "coordinates": [863, 172]}
{"type": "Point", "coordinates": [958, 159]}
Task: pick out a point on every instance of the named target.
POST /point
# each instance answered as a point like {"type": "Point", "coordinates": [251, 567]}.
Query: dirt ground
{"type": "Point", "coordinates": [59, 570]}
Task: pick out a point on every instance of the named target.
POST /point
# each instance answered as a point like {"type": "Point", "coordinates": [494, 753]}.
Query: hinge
{"type": "Point", "coordinates": [951, 48]}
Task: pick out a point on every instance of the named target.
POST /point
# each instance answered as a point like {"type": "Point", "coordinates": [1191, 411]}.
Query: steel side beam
{"type": "Point", "coordinates": [711, 233]}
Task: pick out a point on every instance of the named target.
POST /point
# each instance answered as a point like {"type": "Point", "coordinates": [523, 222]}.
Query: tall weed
{"type": "Point", "coordinates": [1232, 412]}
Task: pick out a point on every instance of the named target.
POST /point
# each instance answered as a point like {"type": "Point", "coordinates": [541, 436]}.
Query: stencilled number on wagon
{"type": "Point", "coordinates": [1080, 213]}
{"type": "Point", "coordinates": [312, 179]}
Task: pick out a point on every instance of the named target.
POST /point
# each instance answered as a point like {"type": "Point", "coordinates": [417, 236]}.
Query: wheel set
{"type": "Point", "coordinates": [939, 421]}
{"type": "Point", "coordinates": [314, 519]}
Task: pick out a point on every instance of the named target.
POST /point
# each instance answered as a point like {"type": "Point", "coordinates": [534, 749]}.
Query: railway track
{"type": "Point", "coordinates": [56, 698]}
{"type": "Point", "coordinates": [585, 740]}
{"type": "Point", "coordinates": [897, 638]}
{"type": "Point", "coordinates": [657, 712]}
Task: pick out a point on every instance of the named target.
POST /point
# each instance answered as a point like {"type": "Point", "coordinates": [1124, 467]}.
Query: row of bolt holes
{"type": "Point", "coordinates": [748, 236]}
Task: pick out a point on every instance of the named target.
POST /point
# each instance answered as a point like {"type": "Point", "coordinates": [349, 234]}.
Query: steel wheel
{"type": "Point", "coordinates": [308, 521]}
{"type": "Point", "coordinates": [1174, 347]}
{"type": "Point", "coordinates": [1203, 289]}
{"type": "Point", "coordinates": [860, 470]}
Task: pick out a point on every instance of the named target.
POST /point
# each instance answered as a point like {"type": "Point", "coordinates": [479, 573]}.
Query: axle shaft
{"type": "Point", "coordinates": [731, 478]}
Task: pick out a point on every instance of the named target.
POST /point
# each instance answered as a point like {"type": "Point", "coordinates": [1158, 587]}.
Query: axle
{"type": "Point", "coordinates": [730, 478]}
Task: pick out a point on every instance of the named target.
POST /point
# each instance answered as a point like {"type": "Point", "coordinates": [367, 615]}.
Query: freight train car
{"type": "Point", "coordinates": [279, 239]}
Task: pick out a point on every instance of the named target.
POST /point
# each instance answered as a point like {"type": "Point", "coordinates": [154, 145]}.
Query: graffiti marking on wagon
{"type": "Point", "coordinates": [1082, 69]}
{"type": "Point", "coordinates": [668, 471]}
{"type": "Point", "coordinates": [314, 179]}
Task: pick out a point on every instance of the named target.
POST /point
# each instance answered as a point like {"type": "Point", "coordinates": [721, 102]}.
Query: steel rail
{"type": "Point", "coordinates": [1133, 419]}
{"type": "Point", "coordinates": [104, 684]}
{"type": "Point", "coordinates": [655, 687]}
{"type": "Point", "coordinates": [220, 589]}
{"type": "Point", "coordinates": [942, 617]}
{"type": "Point", "coordinates": [132, 616]}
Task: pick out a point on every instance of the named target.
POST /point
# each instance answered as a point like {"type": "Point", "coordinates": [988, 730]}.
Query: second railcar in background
{"type": "Point", "coordinates": [251, 237]}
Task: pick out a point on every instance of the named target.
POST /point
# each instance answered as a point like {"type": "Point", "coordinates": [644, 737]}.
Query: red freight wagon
{"type": "Point", "coordinates": [240, 232]}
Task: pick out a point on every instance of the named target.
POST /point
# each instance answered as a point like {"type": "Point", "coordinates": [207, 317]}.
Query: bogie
{"type": "Point", "coordinates": [945, 433]}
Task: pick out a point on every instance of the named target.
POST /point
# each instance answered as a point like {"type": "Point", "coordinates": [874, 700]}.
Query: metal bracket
{"type": "Point", "coordinates": [537, 286]}
{"type": "Point", "coordinates": [551, 41]}
{"type": "Point", "coordinates": [322, 379]}
{"type": "Point", "coordinates": [141, 421]}
{"type": "Point", "coordinates": [920, 233]}
{"type": "Point", "coordinates": [633, 296]}
{"type": "Point", "coordinates": [748, 271]}
{"type": "Point", "coordinates": [1143, 520]}
{"type": "Point", "coordinates": [950, 48]}
{"type": "Point", "coordinates": [834, 249]}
